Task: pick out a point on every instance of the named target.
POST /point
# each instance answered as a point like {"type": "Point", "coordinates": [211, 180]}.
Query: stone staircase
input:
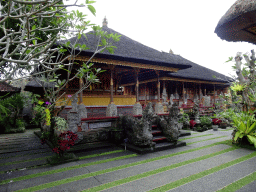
{"type": "Point", "coordinates": [160, 141]}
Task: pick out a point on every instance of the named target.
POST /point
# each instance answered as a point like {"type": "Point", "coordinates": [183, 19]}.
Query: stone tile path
{"type": "Point", "coordinates": [202, 165]}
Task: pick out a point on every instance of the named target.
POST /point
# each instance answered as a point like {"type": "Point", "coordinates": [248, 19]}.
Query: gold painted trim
{"type": "Point", "coordinates": [126, 63]}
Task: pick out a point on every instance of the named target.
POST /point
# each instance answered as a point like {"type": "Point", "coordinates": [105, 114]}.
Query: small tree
{"type": "Point", "coordinates": [246, 79]}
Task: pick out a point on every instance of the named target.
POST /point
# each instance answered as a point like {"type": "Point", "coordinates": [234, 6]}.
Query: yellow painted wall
{"type": "Point", "coordinates": [106, 100]}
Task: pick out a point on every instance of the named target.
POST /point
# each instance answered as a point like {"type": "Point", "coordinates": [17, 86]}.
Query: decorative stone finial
{"type": "Point", "coordinates": [105, 22]}
{"type": "Point", "coordinates": [171, 52]}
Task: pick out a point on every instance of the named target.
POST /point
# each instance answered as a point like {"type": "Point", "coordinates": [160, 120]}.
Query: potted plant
{"type": "Point", "coordinates": [215, 123]}
{"type": "Point", "coordinates": [184, 120]}
{"type": "Point", "coordinates": [238, 88]}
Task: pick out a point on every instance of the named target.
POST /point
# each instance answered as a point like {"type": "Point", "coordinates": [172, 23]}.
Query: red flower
{"type": "Point", "coordinates": [216, 121]}
{"type": "Point", "coordinates": [192, 123]}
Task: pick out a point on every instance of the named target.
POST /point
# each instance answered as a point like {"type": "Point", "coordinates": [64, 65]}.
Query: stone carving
{"type": "Point", "coordinates": [164, 96]}
{"type": "Point", "coordinates": [171, 100]}
{"type": "Point", "coordinates": [111, 110]}
{"type": "Point", "coordinates": [73, 120]}
{"type": "Point", "coordinates": [196, 111]}
{"type": "Point", "coordinates": [137, 109]}
{"type": "Point", "coordinates": [176, 95]}
{"type": "Point", "coordinates": [196, 97]}
{"type": "Point", "coordinates": [82, 111]}
{"type": "Point", "coordinates": [74, 104]}
{"type": "Point", "coordinates": [170, 125]}
{"type": "Point", "coordinates": [159, 108]}
{"type": "Point", "coordinates": [139, 131]}
{"type": "Point", "coordinates": [207, 101]}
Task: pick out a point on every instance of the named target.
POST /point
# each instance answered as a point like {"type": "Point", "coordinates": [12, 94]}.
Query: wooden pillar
{"type": "Point", "coordinates": [111, 84]}
{"type": "Point", "coordinates": [214, 93]}
{"type": "Point", "coordinates": [183, 92]}
{"type": "Point", "coordinates": [137, 84]}
{"type": "Point", "coordinates": [158, 87]}
{"type": "Point", "coordinates": [145, 93]}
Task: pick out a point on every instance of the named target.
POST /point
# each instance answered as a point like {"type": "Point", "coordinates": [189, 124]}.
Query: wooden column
{"type": "Point", "coordinates": [137, 84]}
{"type": "Point", "coordinates": [183, 92]}
{"type": "Point", "coordinates": [214, 93]}
{"type": "Point", "coordinates": [81, 93]}
{"type": "Point", "coordinates": [158, 87]}
{"type": "Point", "coordinates": [111, 84]}
{"type": "Point", "coordinates": [145, 92]}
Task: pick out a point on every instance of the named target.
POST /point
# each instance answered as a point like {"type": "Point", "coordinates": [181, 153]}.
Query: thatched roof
{"type": "Point", "coordinates": [35, 86]}
{"type": "Point", "coordinates": [239, 22]}
{"type": "Point", "coordinates": [198, 72]}
{"type": "Point", "coordinates": [6, 88]}
{"type": "Point", "coordinates": [132, 51]}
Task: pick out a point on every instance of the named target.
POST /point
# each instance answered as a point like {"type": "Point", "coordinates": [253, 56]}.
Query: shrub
{"type": "Point", "coordinates": [11, 113]}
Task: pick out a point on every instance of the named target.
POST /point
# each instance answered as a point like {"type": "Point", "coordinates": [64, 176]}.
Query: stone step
{"type": "Point", "coordinates": [154, 126]}
{"type": "Point", "coordinates": [156, 131]}
{"type": "Point", "coordinates": [159, 138]}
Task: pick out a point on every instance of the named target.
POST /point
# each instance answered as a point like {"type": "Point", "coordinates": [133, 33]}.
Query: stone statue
{"type": "Point", "coordinates": [171, 100]}
{"type": "Point", "coordinates": [74, 103]}
{"type": "Point", "coordinates": [164, 97]}
{"type": "Point", "coordinates": [170, 125]}
{"type": "Point", "coordinates": [196, 111]}
{"type": "Point", "coordinates": [139, 131]}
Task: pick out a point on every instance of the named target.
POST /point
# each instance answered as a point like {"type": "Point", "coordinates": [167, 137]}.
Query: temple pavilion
{"type": "Point", "coordinates": [136, 74]}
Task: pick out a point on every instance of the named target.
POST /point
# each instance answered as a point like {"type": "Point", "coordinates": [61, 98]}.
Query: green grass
{"type": "Point", "coordinates": [23, 161]}
{"type": "Point", "coordinates": [156, 171]}
{"type": "Point", "coordinates": [205, 140]}
{"type": "Point", "coordinates": [24, 155]}
{"type": "Point", "coordinates": [56, 183]}
{"type": "Point", "coordinates": [30, 167]}
{"type": "Point", "coordinates": [239, 183]}
{"type": "Point", "coordinates": [227, 129]}
{"type": "Point", "coordinates": [191, 178]}
{"type": "Point", "coordinates": [64, 169]}
{"type": "Point", "coordinates": [100, 154]}
{"type": "Point", "coordinates": [195, 137]}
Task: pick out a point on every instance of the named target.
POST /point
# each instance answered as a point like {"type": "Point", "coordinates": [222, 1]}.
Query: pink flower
{"type": "Point", "coordinates": [47, 103]}
{"type": "Point", "coordinates": [69, 96]}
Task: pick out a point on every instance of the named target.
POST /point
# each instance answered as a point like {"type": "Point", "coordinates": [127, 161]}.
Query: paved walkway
{"type": "Point", "coordinates": [202, 165]}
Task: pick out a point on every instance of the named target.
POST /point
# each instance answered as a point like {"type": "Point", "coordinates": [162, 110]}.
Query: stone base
{"type": "Point", "coordinates": [82, 111]}
{"type": "Point", "coordinates": [137, 109]}
{"type": "Point", "coordinates": [159, 108]}
{"type": "Point", "coordinates": [111, 110]}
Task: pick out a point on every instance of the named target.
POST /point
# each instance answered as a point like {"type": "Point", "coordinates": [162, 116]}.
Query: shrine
{"type": "Point", "coordinates": [136, 75]}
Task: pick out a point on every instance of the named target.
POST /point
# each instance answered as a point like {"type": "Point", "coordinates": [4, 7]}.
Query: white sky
{"type": "Point", "coordinates": [185, 26]}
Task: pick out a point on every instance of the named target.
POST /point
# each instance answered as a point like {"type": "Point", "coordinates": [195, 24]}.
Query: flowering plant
{"type": "Point", "coordinates": [192, 123]}
{"type": "Point", "coordinates": [216, 121]}
{"type": "Point", "coordinates": [65, 141]}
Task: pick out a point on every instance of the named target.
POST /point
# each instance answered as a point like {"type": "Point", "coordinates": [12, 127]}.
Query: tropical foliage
{"type": "Point", "coordinates": [245, 126]}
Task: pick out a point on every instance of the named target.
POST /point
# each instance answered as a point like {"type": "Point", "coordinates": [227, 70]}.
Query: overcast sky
{"type": "Point", "coordinates": [185, 26]}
